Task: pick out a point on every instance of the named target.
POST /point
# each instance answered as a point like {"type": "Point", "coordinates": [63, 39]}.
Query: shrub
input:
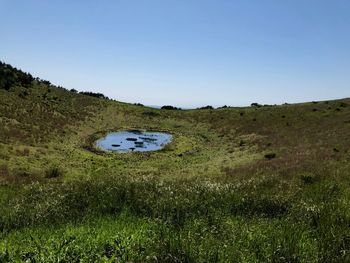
{"type": "Point", "coordinates": [270, 156]}
{"type": "Point", "coordinates": [208, 107]}
{"type": "Point", "coordinates": [53, 172]}
{"type": "Point", "coordinates": [46, 82]}
{"type": "Point", "coordinates": [94, 94]}
{"type": "Point", "coordinates": [257, 105]}
{"type": "Point", "coordinates": [308, 178]}
{"type": "Point", "coordinates": [169, 107]}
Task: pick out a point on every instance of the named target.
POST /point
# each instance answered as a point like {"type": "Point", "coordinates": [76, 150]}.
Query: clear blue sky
{"type": "Point", "coordinates": [184, 52]}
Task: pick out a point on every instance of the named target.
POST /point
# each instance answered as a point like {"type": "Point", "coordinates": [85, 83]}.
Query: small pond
{"type": "Point", "coordinates": [137, 141]}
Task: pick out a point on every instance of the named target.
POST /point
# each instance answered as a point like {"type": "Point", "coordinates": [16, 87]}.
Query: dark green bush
{"type": "Point", "coordinates": [53, 172]}
{"type": "Point", "coordinates": [270, 156]}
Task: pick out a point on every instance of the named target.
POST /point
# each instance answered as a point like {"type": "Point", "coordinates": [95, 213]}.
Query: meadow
{"type": "Point", "coordinates": [266, 183]}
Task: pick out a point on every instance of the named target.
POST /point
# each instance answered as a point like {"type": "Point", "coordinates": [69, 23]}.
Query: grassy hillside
{"type": "Point", "coordinates": [255, 184]}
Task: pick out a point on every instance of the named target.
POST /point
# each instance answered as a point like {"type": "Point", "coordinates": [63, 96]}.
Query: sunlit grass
{"type": "Point", "coordinates": [211, 195]}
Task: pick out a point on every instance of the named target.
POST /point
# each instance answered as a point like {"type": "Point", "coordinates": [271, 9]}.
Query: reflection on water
{"type": "Point", "coordinates": [134, 140]}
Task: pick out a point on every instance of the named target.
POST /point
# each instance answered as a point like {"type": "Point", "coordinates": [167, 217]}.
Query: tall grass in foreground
{"type": "Point", "coordinates": [191, 221]}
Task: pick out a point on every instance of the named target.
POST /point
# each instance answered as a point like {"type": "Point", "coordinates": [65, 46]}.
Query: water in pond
{"type": "Point", "coordinates": [138, 141]}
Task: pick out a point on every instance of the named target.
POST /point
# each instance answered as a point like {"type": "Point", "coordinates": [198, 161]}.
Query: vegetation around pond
{"type": "Point", "coordinates": [254, 184]}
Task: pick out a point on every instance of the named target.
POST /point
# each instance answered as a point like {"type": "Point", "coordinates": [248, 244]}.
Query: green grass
{"type": "Point", "coordinates": [209, 196]}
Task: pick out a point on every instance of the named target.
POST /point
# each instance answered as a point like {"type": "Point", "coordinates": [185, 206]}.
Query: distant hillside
{"type": "Point", "coordinates": [12, 77]}
{"type": "Point", "coordinates": [32, 110]}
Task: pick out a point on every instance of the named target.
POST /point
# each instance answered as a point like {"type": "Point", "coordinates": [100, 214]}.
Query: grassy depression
{"type": "Point", "coordinates": [255, 184]}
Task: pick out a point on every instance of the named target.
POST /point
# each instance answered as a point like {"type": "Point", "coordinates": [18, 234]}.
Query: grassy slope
{"type": "Point", "coordinates": [209, 196]}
